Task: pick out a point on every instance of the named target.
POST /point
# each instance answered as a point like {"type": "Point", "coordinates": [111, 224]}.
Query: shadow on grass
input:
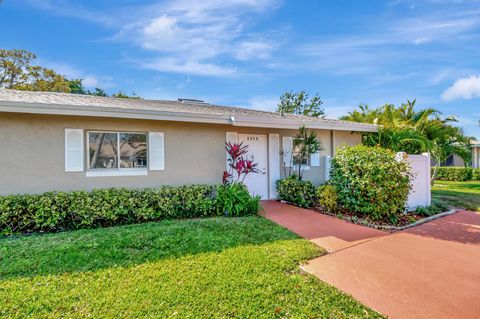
{"type": "Point", "coordinates": [89, 250]}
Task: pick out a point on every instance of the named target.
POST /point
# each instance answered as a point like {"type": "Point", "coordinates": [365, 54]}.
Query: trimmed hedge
{"type": "Point", "coordinates": [59, 211]}
{"type": "Point", "coordinates": [476, 174]}
{"type": "Point", "coordinates": [296, 191]}
{"type": "Point", "coordinates": [370, 182]}
{"type": "Point", "coordinates": [456, 174]}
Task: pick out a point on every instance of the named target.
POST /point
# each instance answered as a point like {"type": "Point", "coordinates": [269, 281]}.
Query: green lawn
{"type": "Point", "coordinates": [210, 268]}
{"type": "Point", "coordinates": [458, 194]}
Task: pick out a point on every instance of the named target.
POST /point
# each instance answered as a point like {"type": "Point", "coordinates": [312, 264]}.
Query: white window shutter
{"type": "Point", "coordinates": [287, 147]}
{"type": "Point", "coordinates": [156, 151]}
{"type": "Point", "coordinates": [73, 150]}
{"type": "Point", "coordinates": [315, 159]}
{"type": "Point", "coordinates": [230, 137]}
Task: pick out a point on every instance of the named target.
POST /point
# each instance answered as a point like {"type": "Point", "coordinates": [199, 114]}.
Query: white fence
{"type": "Point", "coordinates": [420, 195]}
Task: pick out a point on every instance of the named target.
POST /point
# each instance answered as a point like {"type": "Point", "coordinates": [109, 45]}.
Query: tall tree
{"type": "Point", "coordinates": [13, 67]}
{"type": "Point", "coordinates": [301, 104]}
{"type": "Point", "coordinates": [43, 79]}
{"type": "Point", "coordinates": [17, 72]}
{"type": "Point", "coordinates": [76, 87]}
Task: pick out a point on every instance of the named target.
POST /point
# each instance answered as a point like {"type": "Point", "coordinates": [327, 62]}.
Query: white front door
{"type": "Point", "coordinates": [257, 183]}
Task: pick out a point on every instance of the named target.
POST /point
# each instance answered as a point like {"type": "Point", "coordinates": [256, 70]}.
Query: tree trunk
{"type": "Point", "coordinates": [434, 175]}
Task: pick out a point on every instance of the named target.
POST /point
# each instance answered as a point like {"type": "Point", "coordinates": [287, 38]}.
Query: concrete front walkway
{"type": "Point", "coordinates": [430, 271]}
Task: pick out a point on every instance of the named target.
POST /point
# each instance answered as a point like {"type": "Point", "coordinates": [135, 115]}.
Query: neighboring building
{"type": "Point", "coordinates": [455, 160]}
{"type": "Point", "coordinates": [57, 141]}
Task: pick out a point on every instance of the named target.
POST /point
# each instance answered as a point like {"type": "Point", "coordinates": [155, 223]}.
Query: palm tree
{"type": "Point", "coordinates": [305, 143]}
{"type": "Point", "coordinates": [405, 129]}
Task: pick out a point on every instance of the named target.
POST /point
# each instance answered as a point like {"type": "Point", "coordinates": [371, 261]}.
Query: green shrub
{"type": "Point", "coordinates": [57, 211]}
{"type": "Point", "coordinates": [327, 198]}
{"type": "Point", "coordinates": [296, 191]}
{"type": "Point", "coordinates": [457, 174]}
{"type": "Point", "coordinates": [476, 174]}
{"type": "Point", "coordinates": [235, 200]}
{"type": "Point", "coordinates": [435, 208]}
{"type": "Point", "coordinates": [371, 182]}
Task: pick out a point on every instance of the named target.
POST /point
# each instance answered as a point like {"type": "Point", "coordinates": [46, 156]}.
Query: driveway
{"type": "Point", "coordinates": [430, 271]}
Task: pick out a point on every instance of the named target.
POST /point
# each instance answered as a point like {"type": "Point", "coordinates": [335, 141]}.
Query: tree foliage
{"type": "Point", "coordinates": [301, 104]}
{"type": "Point", "coordinates": [18, 72]}
{"type": "Point", "coordinates": [404, 128]}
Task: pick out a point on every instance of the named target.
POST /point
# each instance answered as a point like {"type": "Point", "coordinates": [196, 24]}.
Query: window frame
{"type": "Point", "coordinates": [118, 171]}
{"type": "Point", "coordinates": [305, 167]}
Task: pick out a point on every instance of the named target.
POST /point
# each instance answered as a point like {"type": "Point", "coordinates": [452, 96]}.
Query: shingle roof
{"type": "Point", "coordinates": [78, 102]}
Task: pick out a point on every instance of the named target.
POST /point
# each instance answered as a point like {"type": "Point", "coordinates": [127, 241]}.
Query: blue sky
{"type": "Point", "coordinates": [247, 52]}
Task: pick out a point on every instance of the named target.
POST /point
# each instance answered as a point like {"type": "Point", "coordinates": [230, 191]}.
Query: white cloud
{"type": "Point", "coordinates": [391, 45]}
{"type": "Point", "coordinates": [192, 36]}
{"type": "Point", "coordinates": [182, 33]}
{"type": "Point", "coordinates": [466, 88]}
{"type": "Point", "coordinates": [76, 10]}
{"type": "Point", "coordinates": [334, 112]}
{"type": "Point", "coordinates": [71, 72]}
{"type": "Point", "coordinates": [263, 103]}
{"type": "Point", "coordinates": [254, 49]}
{"type": "Point", "coordinates": [189, 67]}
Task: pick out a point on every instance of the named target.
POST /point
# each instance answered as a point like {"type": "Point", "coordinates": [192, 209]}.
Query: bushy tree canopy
{"type": "Point", "coordinates": [17, 72]}
{"type": "Point", "coordinates": [301, 104]}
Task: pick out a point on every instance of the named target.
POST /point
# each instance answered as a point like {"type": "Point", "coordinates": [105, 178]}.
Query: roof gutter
{"type": "Point", "coordinates": [145, 114]}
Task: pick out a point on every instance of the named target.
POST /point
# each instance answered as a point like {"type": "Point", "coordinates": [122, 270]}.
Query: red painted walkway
{"type": "Point", "coordinates": [328, 232]}
{"type": "Point", "coordinates": [430, 271]}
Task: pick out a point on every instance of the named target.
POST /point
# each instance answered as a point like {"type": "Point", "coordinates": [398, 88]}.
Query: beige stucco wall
{"type": "Point", "coordinates": [32, 152]}
{"type": "Point", "coordinates": [343, 138]}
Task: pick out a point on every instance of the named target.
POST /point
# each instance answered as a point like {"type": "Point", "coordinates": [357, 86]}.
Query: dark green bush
{"type": "Point", "coordinates": [457, 174]}
{"type": "Point", "coordinates": [296, 191]}
{"type": "Point", "coordinates": [371, 182]}
{"type": "Point", "coordinates": [235, 200]}
{"type": "Point", "coordinates": [58, 211]}
{"type": "Point", "coordinates": [476, 174]}
{"type": "Point", "coordinates": [327, 198]}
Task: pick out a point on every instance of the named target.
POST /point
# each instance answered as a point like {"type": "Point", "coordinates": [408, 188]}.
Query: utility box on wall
{"type": "Point", "coordinates": [421, 193]}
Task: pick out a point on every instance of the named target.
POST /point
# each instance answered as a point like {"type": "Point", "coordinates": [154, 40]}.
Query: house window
{"type": "Point", "coordinates": [297, 160]}
{"type": "Point", "coordinates": [117, 150]}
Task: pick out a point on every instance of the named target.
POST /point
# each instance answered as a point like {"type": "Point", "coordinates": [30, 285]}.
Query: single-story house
{"type": "Point", "coordinates": [456, 161]}
{"type": "Point", "coordinates": [58, 141]}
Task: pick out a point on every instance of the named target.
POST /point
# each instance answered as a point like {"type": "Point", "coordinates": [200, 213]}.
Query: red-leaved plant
{"type": "Point", "coordinates": [238, 163]}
